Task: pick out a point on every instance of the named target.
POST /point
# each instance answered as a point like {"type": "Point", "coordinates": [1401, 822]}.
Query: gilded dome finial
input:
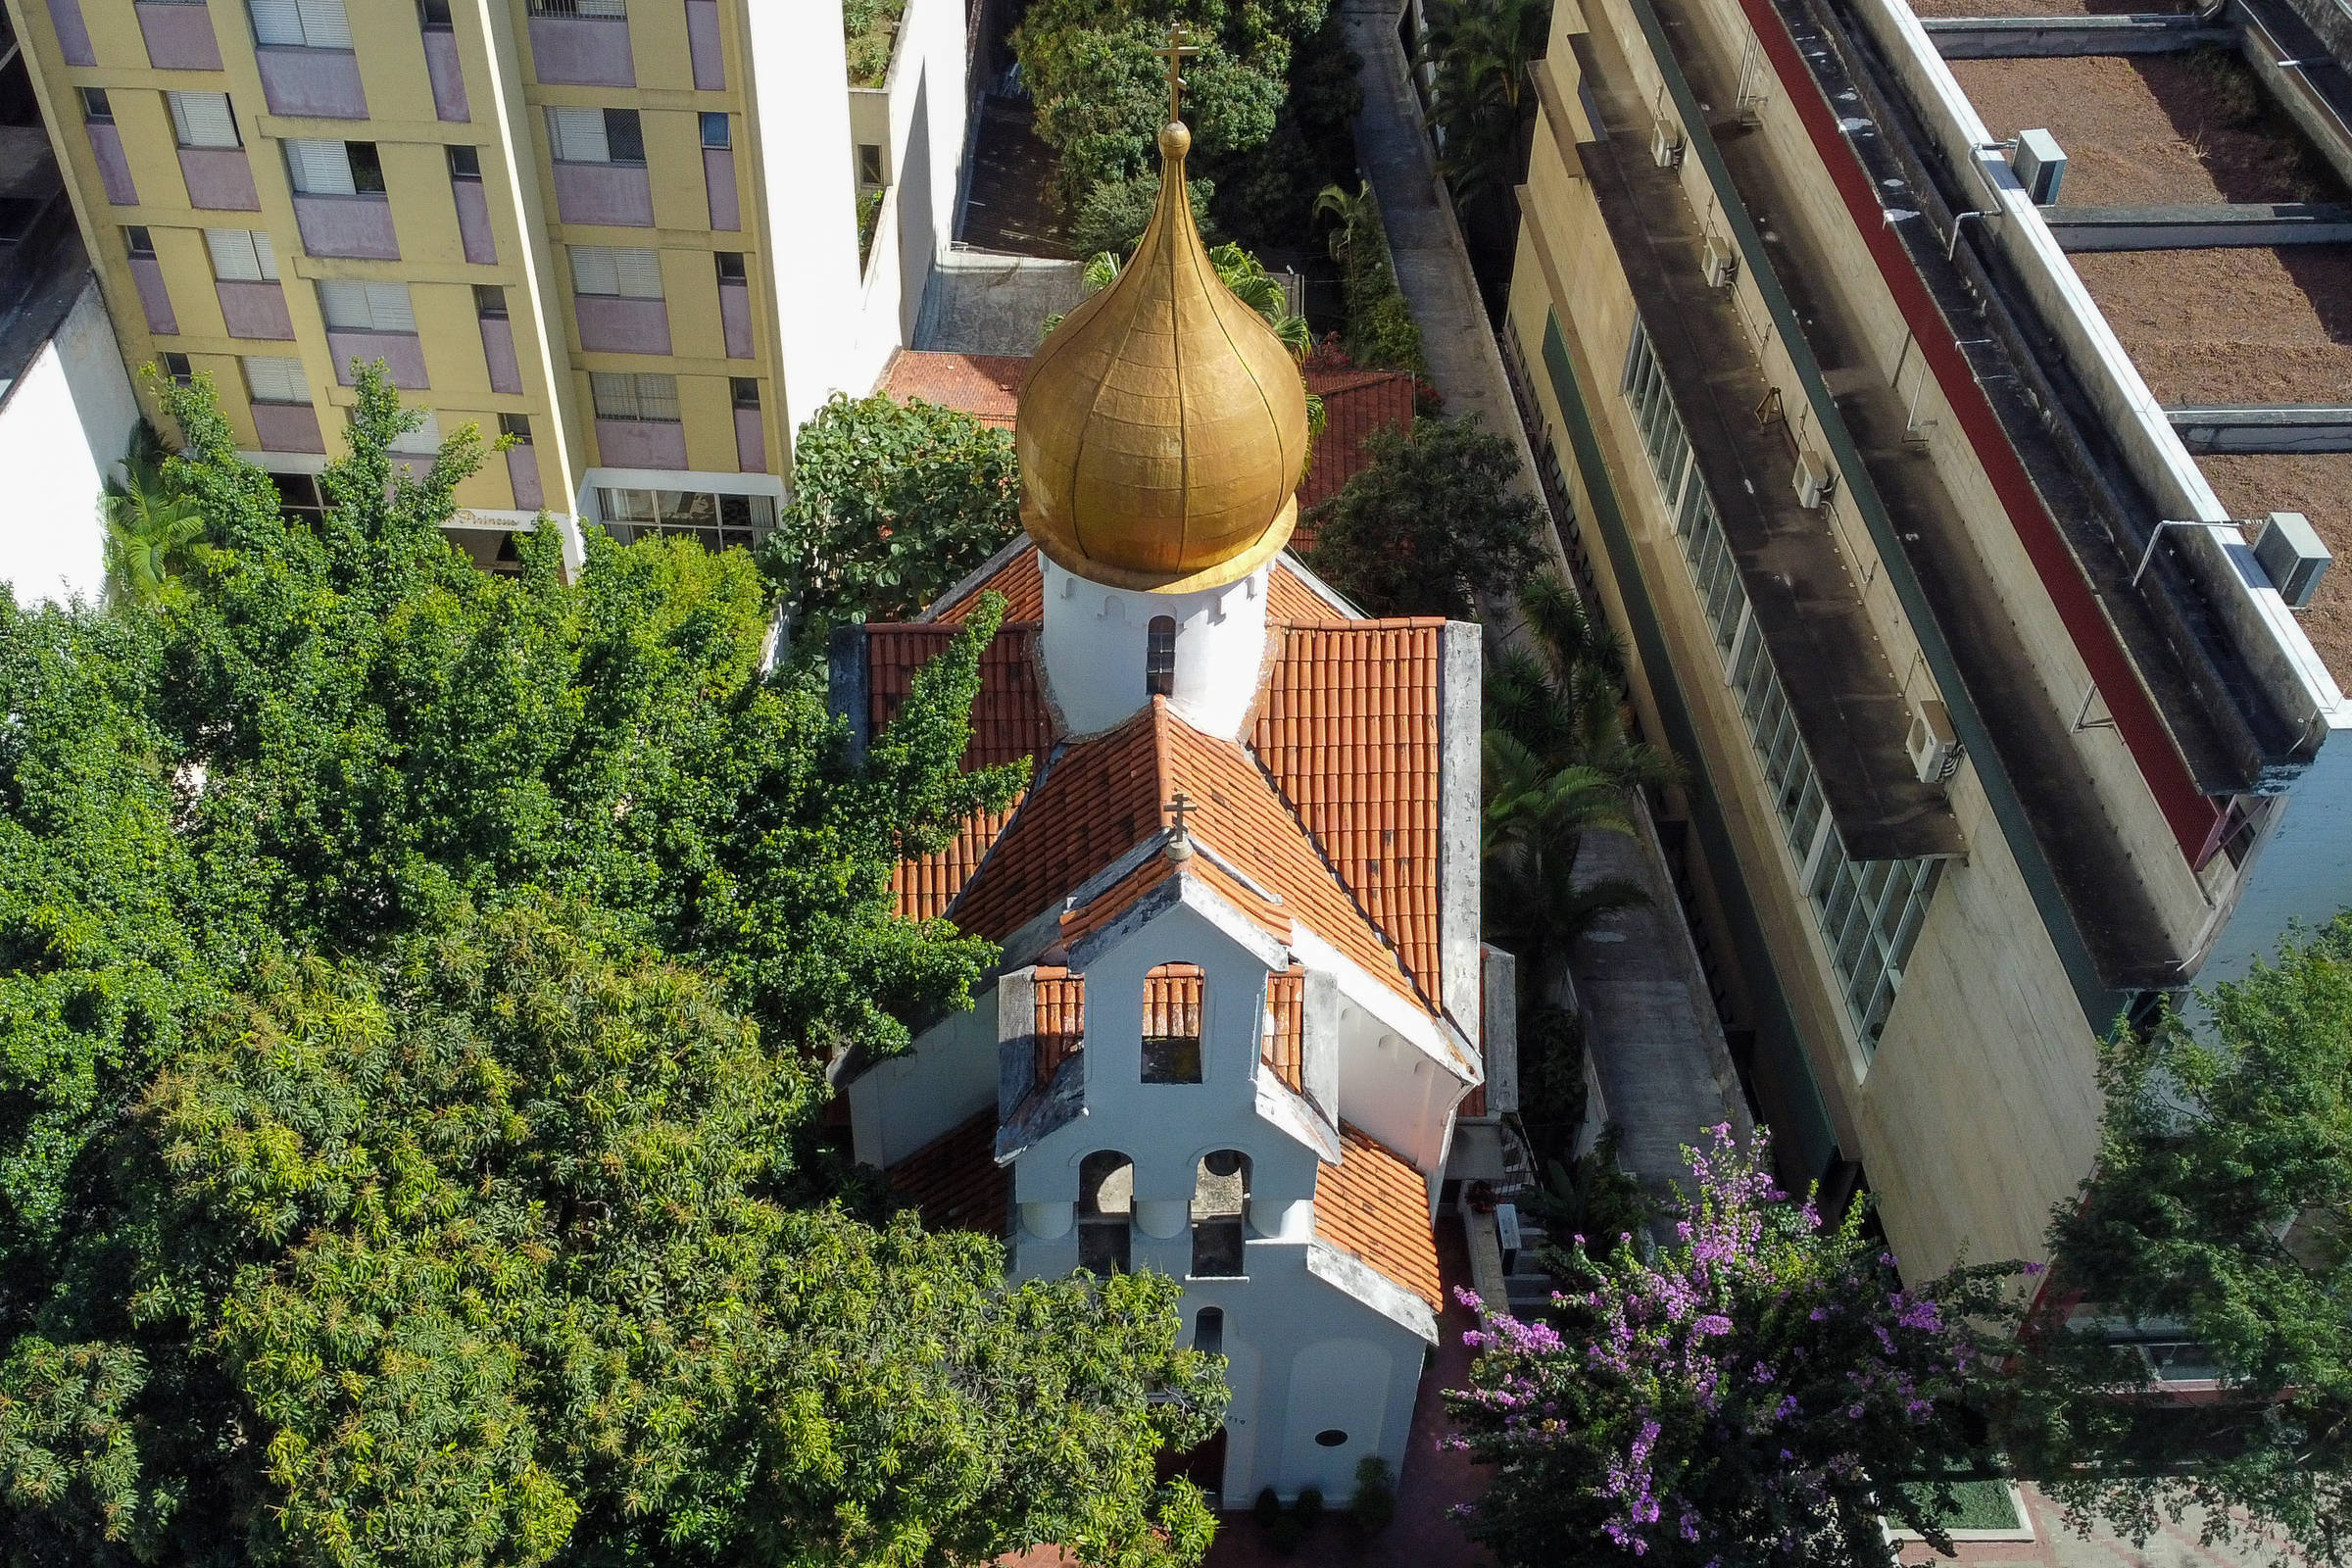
{"type": "Point", "coordinates": [1162, 427]}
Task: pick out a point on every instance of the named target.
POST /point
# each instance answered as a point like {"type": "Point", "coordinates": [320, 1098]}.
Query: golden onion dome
{"type": "Point", "coordinates": [1162, 427]}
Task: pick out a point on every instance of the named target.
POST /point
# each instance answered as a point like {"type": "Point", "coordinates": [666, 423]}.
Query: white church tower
{"type": "Point", "coordinates": [1243, 1032]}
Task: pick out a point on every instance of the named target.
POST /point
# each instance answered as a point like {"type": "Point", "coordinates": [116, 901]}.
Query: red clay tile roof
{"type": "Point", "coordinates": [1022, 582]}
{"type": "Point", "coordinates": [1290, 602]}
{"type": "Point", "coordinates": [1285, 1012]}
{"type": "Point", "coordinates": [1349, 729]}
{"type": "Point", "coordinates": [1374, 1206]}
{"type": "Point", "coordinates": [1356, 403]}
{"type": "Point", "coordinates": [1060, 1018]}
{"type": "Point", "coordinates": [1099, 799]}
{"type": "Point", "coordinates": [986, 386]}
{"type": "Point", "coordinates": [1008, 723]}
{"type": "Point", "coordinates": [955, 1181]}
{"type": "Point", "coordinates": [1172, 1001]}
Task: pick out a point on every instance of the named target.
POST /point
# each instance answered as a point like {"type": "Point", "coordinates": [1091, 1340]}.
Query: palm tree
{"type": "Point", "coordinates": [1355, 217]}
{"type": "Point", "coordinates": [1238, 271]}
{"type": "Point", "coordinates": [1478, 51]}
{"type": "Point", "coordinates": [1561, 694]}
{"type": "Point", "coordinates": [1529, 836]}
{"type": "Point", "coordinates": [153, 532]}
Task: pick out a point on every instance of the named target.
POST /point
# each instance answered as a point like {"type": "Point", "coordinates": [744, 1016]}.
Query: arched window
{"type": "Point", "coordinates": [1173, 995]}
{"type": "Point", "coordinates": [1220, 1208]}
{"type": "Point", "coordinates": [1160, 657]}
{"type": "Point", "coordinates": [1208, 1331]}
{"type": "Point", "coordinates": [1105, 1205]}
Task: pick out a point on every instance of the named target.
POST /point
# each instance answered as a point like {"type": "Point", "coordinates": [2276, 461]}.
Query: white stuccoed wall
{"type": "Point", "coordinates": [65, 421]}
{"type": "Point", "coordinates": [1094, 640]}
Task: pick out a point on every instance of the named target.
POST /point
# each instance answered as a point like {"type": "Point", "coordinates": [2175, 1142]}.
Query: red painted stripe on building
{"type": "Point", "coordinates": [2189, 810]}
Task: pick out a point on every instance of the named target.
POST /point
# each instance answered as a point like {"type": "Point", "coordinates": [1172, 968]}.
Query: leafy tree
{"type": "Point", "coordinates": [1431, 525]}
{"type": "Point", "coordinates": [2218, 1216]}
{"type": "Point", "coordinates": [1752, 1396]}
{"type": "Point", "coordinates": [473, 1256]}
{"type": "Point", "coordinates": [1113, 216]}
{"type": "Point", "coordinates": [1381, 331]}
{"type": "Point", "coordinates": [1238, 270]}
{"type": "Point", "coordinates": [1481, 99]}
{"type": "Point", "coordinates": [410, 987]}
{"type": "Point", "coordinates": [893, 503]}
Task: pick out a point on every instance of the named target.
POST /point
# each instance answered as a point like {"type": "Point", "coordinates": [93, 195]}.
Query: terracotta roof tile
{"type": "Point", "coordinates": [1349, 729]}
{"type": "Point", "coordinates": [1008, 723]}
{"type": "Point", "coordinates": [1290, 602]}
{"type": "Point", "coordinates": [1022, 582]}
{"type": "Point", "coordinates": [1286, 1013]}
{"type": "Point", "coordinates": [1374, 1206]}
{"type": "Point", "coordinates": [1060, 1019]}
{"type": "Point", "coordinates": [1099, 799]}
{"type": "Point", "coordinates": [955, 1181]}
{"type": "Point", "coordinates": [1356, 403]}
{"type": "Point", "coordinates": [986, 386]}
{"type": "Point", "coordinates": [1172, 1001]}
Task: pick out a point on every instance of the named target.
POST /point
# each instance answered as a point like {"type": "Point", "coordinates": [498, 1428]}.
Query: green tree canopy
{"type": "Point", "coordinates": [893, 503]}
{"type": "Point", "coordinates": [1429, 526]}
{"type": "Point", "coordinates": [2219, 1218]}
{"type": "Point", "coordinates": [412, 988]}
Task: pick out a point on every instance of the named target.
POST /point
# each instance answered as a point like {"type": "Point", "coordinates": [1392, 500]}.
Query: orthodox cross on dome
{"type": "Point", "coordinates": [1176, 52]}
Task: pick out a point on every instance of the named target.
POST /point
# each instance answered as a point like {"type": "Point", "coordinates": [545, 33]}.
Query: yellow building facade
{"type": "Point", "coordinates": [621, 233]}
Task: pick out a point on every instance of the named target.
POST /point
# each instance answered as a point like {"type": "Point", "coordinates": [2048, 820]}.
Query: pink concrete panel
{"type": "Point", "coordinates": [448, 75]}
{"type": "Point", "coordinates": [287, 427]}
{"type": "Point", "coordinates": [702, 41]}
{"type": "Point", "coordinates": [523, 473]}
{"type": "Point", "coordinates": [179, 38]}
{"type": "Point", "coordinates": [154, 298]}
{"type": "Point", "coordinates": [735, 318]}
{"type": "Point", "coordinates": [403, 356]}
{"type": "Point", "coordinates": [254, 308]}
{"type": "Point", "coordinates": [219, 179]}
{"type": "Point", "coordinates": [582, 51]}
{"type": "Point", "coordinates": [719, 180]}
{"type": "Point", "coordinates": [114, 168]}
{"type": "Point", "coordinates": [618, 194]}
{"type": "Point", "coordinates": [473, 221]}
{"type": "Point", "coordinates": [641, 444]}
{"type": "Point", "coordinates": [347, 226]}
{"type": "Point", "coordinates": [751, 441]}
{"type": "Point", "coordinates": [319, 83]}
{"type": "Point", "coordinates": [498, 352]}
{"type": "Point", "coordinates": [72, 34]}
{"type": "Point", "coordinates": [611, 325]}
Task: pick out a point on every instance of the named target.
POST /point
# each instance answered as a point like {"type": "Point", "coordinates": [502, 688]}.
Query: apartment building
{"type": "Point", "coordinates": [624, 233]}
{"type": "Point", "coordinates": [2012, 692]}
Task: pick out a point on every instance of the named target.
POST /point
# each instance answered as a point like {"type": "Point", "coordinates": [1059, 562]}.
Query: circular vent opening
{"type": "Point", "coordinates": [1330, 1437]}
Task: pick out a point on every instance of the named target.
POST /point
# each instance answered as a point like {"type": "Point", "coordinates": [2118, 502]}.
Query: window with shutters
{"type": "Point", "coordinates": [275, 378]}
{"type": "Point", "coordinates": [595, 135]}
{"type": "Point", "coordinates": [203, 119]}
{"type": "Point", "coordinates": [300, 23]}
{"type": "Point", "coordinates": [241, 255]}
{"type": "Point", "coordinates": [425, 438]}
{"type": "Point", "coordinates": [621, 270]}
{"type": "Point", "coordinates": [642, 396]}
{"type": "Point", "coordinates": [353, 306]}
{"type": "Point", "coordinates": [334, 168]}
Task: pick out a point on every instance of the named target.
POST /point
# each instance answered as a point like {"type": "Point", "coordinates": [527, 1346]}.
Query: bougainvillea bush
{"type": "Point", "coordinates": [1756, 1392]}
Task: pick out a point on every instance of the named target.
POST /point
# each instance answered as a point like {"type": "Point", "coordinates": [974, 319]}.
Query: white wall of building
{"type": "Point", "coordinates": [63, 422]}
{"type": "Point", "coordinates": [2303, 870]}
{"type": "Point", "coordinates": [1095, 637]}
{"type": "Point", "coordinates": [923, 109]}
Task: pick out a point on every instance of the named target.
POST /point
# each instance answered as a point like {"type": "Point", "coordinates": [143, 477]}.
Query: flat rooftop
{"type": "Point", "coordinates": [2206, 325]}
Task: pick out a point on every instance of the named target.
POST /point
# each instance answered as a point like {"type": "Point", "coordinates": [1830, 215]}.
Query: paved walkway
{"type": "Point", "coordinates": [1657, 1044]}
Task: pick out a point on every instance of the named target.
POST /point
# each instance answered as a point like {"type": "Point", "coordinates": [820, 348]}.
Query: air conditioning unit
{"type": "Point", "coordinates": [1722, 262]}
{"type": "Point", "coordinates": [1666, 145]}
{"type": "Point", "coordinates": [2041, 166]}
{"type": "Point", "coordinates": [1933, 745]}
{"type": "Point", "coordinates": [1815, 480]}
{"type": "Point", "coordinates": [2291, 551]}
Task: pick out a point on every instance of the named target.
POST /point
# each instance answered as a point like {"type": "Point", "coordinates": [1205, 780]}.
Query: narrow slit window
{"type": "Point", "coordinates": [1172, 998]}
{"type": "Point", "coordinates": [1160, 657]}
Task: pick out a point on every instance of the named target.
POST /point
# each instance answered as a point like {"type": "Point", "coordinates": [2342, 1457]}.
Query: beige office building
{"type": "Point", "coordinates": [625, 232]}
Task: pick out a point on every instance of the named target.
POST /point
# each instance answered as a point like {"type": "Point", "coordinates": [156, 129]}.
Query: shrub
{"type": "Point", "coordinates": [1431, 525]}
{"type": "Point", "coordinates": [1267, 1508]}
{"type": "Point", "coordinates": [1309, 1506]}
{"type": "Point", "coordinates": [1373, 1508]}
{"type": "Point", "coordinates": [1112, 215]}
{"type": "Point", "coordinates": [1288, 1535]}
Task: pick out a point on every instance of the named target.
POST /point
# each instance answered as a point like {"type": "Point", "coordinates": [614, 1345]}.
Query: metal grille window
{"type": "Point", "coordinates": [595, 135]}
{"type": "Point", "coordinates": [714, 522]}
{"type": "Point", "coordinates": [334, 168]}
{"type": "Point", "coordinates": [642, 396]}
{"type": "Point", "coordinates": [96, 108]}
{"type": "Point", "coordinates": [1869, 912]}
{"type": "Point", "coordinates": [203, 119]}
{"type": "Point", "coordinates": [621, 270]}
{"type": "Point", "coordinates": [241, 255]}
{"type": "Point", "coordinates": [139, 242]}
{"type": "Point", "coordinates": [352, 306]}
{"type": "Point", "coordinates": [579, 8]}
{"type": "Point", "coordinates": [300, 23]}
{"type": "Point", "coordinates": [1159, 656]}
{"type": "Point", "coordinates": [275, 378]}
